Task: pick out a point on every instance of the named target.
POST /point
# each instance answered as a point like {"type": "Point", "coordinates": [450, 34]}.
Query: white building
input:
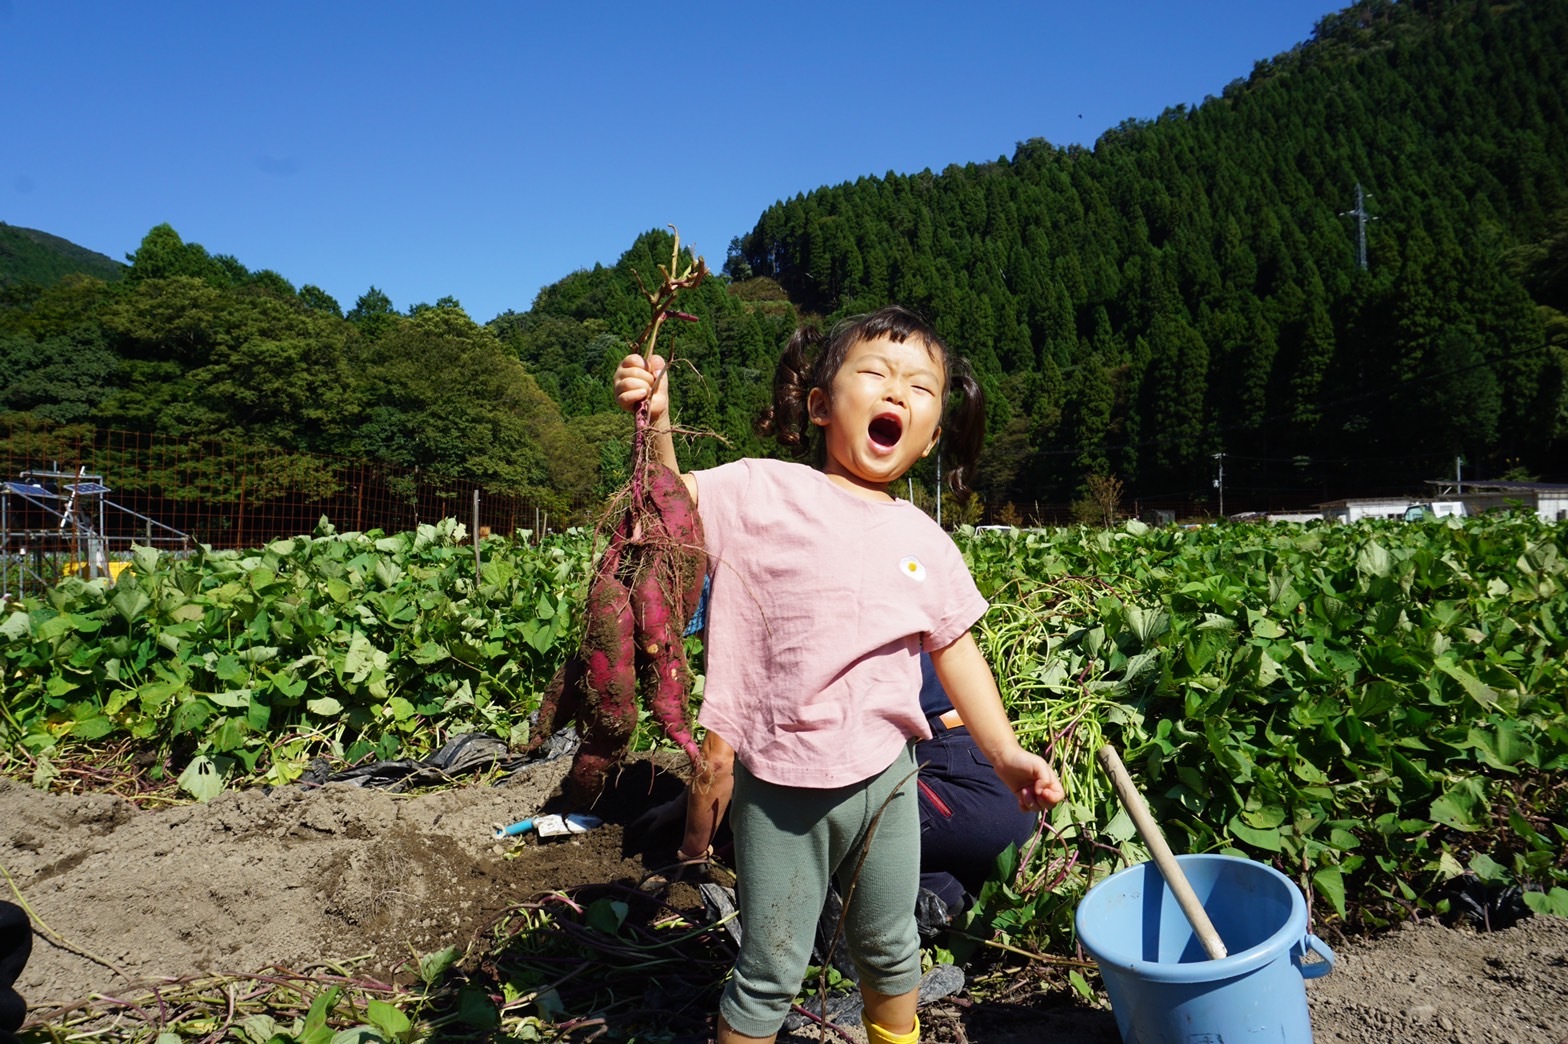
{"type": "Point", "coordinates": [1357, 508]}
{"type": "Point", "coordinates": [1549, 500]}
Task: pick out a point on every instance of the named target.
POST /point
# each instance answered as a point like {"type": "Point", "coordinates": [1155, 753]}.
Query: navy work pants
{"type": "Point", "coordinates": [967, 815]}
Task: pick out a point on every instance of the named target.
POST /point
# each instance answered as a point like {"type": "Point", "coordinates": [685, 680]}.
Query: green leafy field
{"type": "Point", "coordinates": [1375, 709]}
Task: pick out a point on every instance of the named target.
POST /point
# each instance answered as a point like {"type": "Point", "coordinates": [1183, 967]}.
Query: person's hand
{"type": "Point", "coordinates": [634, 382]}
{"type": "Point", "coordinates": [659, 828]}
{"type": "Point", "coordinates": [1031, 779]}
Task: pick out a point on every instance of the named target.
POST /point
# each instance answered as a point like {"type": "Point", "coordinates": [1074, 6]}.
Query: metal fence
{"type": "Point", "coordinates": [74, 500]}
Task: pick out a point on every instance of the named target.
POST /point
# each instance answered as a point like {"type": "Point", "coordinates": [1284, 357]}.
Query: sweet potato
{"type": "Point", "coordinates": [559, 703]}
{"type": "Point", "coordinates": [645, 587]}
{"type": "Point", "coordinates": [609, 658]}
{"type": "Point", "coordinates": [600, 751]}
{"type": "Point", "coordinates": [685, 561]}
{"type": "Point", "coordinates": [661, 663]}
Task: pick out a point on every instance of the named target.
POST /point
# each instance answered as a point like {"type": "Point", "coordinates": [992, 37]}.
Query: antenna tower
{"type": "Point", "coordinates": [1362, 217]}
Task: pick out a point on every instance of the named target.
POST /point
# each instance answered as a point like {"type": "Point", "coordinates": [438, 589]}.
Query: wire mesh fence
{"type": "Point", "coordinates": [74, 500]}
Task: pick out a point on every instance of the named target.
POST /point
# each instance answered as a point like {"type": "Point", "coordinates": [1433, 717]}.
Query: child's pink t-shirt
{"type": "Point", "coordinates": [819, 606]}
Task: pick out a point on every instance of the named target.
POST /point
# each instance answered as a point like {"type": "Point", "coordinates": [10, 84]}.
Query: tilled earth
{"type": "Point", "coordinates": [299, 876]}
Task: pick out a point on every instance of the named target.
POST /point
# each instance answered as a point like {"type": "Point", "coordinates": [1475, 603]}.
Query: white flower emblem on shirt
{"type": "Point", "coordinates": [911, 567]}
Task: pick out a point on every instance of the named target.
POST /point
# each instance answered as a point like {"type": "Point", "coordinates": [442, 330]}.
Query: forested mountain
{"type": "Point", "coordinates": [1187, 288]}
{"type": "Point", "coordinates": [1191, 285]}
{"type": "Point", "coordinates": [30, 256]}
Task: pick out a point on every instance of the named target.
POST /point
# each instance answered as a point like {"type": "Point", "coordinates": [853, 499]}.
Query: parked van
{"type": "Point", "coordinates": [1436, 509]}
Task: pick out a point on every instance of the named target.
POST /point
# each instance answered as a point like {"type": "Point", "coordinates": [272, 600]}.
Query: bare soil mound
{"type": "Point", "coordinates": [298, 877]}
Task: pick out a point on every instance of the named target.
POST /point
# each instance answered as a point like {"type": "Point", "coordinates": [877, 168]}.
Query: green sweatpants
{"type": "Point", "coordinates": [789, 842]}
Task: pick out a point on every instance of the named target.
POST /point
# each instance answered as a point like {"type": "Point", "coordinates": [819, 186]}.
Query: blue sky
{"type": "Point", "coordinates": [483, 150]}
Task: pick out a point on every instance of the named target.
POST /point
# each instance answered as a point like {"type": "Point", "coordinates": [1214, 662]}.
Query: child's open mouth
{"type": "Point", "coordinates": [885, 430]}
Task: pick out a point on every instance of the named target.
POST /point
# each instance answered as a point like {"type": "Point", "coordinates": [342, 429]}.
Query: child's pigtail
{"type": "Point", "coordinates": [788, 419]}
{"type": "Point", "coordinates": [963, 429]}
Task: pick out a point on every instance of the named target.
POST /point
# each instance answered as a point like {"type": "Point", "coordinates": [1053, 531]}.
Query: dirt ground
{"type": "Point", "coordinates": [297, 876]}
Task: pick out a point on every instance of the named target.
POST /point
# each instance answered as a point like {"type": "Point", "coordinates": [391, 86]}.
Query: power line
{"type": "Point", "coordinates": [1301, 458]}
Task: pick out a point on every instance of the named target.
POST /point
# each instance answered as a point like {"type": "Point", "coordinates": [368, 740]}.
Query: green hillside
{"type": "Point", "coordinates": [30, 256]}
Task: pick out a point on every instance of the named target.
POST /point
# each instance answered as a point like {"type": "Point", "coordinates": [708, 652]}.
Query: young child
{"type": "Point", "coordinates": [825, 589]}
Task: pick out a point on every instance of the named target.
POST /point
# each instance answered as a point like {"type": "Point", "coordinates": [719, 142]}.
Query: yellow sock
{"type": "Point", "coordinates": [877, 1035]}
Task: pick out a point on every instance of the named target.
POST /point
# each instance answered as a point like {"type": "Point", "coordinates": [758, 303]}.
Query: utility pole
{"type": "Point", "coordinates": [1459, 482]}
{"type": "Point", "coordinates": [939, 482]}
{"type": "Point", "coordinates": [1362, 217]}
{"type": "Point", "coordinates": [1219, 483]}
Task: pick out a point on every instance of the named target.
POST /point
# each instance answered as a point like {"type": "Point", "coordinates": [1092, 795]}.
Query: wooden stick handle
{"type": "Point", "coordinates": [1169, 868]}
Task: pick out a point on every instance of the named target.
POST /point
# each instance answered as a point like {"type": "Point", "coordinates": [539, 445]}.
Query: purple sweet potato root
{"type": "Point", "coordinates": [609, 657]}
{"type": "Point", "coordinates": [645, 587]}
{"type": "Point", "coordinates": [601, 751]}
{"type": "Point", "coordinates": [661, 665]}
{"type": "Point", "coordinates": [684, 561]}
{"type": "Point", "coordinates": [559, 704]}
{"type": "Point", "coordinates": [607, 687]}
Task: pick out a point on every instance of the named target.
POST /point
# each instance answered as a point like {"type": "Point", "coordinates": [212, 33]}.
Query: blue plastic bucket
{"type": "Point", "coordinates": [1162, 985]}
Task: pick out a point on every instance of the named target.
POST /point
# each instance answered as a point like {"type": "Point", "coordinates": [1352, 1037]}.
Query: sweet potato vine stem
{"type": "Point", "coordinates": [674, 280]}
